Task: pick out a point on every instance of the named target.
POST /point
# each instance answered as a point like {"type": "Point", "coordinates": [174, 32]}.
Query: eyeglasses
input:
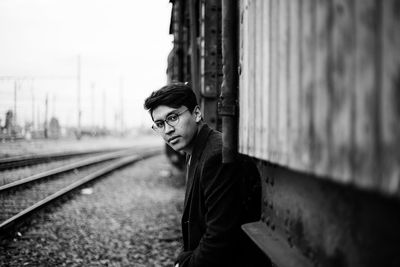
{"type": "Point", "coordinates": [172, 120]}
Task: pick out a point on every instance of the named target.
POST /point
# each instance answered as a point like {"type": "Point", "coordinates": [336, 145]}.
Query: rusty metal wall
{"type": "Point", "coordinates": [178, 60]}
{"type": "Point", "coordinates": [196, 56]}
{"type": "Point", "coordinates": [309, 222]}
{"type": "Point", "coordinates": [319, 88]}
{"type": "Point", "coordinates": [210, 60]}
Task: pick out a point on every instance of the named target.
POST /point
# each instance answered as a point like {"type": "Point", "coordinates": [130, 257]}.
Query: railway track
{"type": "Point", "coordinates": [22, 198]}
{"type": "Point", "coordinates": [28, 160]}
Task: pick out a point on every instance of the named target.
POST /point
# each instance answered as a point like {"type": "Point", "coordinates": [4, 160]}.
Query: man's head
{"type": "Point", "coordinates": [176, 115]}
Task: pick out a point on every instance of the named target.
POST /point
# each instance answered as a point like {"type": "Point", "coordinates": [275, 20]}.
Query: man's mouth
{"type": "Point", "coordinates": [173, 139]}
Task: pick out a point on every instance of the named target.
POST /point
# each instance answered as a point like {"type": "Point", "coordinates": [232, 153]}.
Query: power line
{"type": "Point", "coordinates": [47, 77]}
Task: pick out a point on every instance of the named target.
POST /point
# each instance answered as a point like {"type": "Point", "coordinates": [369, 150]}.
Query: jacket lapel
{"type": "Point", "coordinates": [198, 148]}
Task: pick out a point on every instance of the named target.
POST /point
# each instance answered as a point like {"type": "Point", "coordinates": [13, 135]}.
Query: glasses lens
{"type": "Point", "coordinates": [159, 124]}
{"type": "Point", "coordinates": [172, 119]}
{"type": "Point", "coordinates": [158, 127]}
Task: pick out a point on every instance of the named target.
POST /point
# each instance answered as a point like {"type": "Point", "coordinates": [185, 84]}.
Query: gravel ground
{"type": "Point", "coordinates": [129, 218]}
{"type": "Point", "coordinates": [14, 201]}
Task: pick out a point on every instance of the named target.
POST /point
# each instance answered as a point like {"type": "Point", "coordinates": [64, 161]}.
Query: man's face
{"type": "Point", "coordinates": [179, 136]}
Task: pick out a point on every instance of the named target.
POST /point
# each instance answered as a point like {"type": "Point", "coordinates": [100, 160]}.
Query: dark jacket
{"type": "Point", "coordinates": [216, 205]}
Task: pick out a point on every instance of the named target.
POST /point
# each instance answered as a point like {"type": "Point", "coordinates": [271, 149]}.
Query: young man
{"type": "Point", "coordinates": [216, 198]}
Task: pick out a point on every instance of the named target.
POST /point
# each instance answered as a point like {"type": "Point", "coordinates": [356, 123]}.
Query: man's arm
{"type": "Point", "coordinates": [221, 187]}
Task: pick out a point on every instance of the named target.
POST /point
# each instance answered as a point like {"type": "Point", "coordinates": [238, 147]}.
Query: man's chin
{"type": "Point", "coordinates": [176, 147]}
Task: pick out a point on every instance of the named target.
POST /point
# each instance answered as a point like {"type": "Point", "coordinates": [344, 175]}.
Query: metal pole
{"type": "Point", "coordinates": [194, 47]}
{"type": "Point", "coordinates": [229, 89]}
{"type": "Point", "coordinates": [39, 127]}
{"type": "Point", "coordinates": [15, 103]}
{"type": "Point", "coordinates": [93, 116]}
{"type": "Point", "coordinates": [104, 109]}
{"type": "Point", "coordinates": [79, 96]}
{"type": "Point", "coordinates": [33, 107]}
{"type": "Point", "coordinates": [45, 116]}
{"type": "Point", "coordinates": [53, 105]}
{"type": "Point", "coordinates": [121, 91]}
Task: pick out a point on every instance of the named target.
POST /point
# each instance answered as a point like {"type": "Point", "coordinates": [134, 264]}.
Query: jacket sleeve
{"type": "Point", "coordinates": [221, 189]}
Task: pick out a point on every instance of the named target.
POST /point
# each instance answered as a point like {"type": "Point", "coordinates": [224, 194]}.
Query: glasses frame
{"type": "Point", "coordinates": [165, 121]}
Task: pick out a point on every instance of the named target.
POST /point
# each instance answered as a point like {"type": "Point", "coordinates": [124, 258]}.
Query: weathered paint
{"type": "Point", "coordinates": [243, 46]}
{"type": "Point", "coordinates": [210, 60]}
{"type": "Point", "coordinates": [319, 111]}
{"type": "Point", "coordinates": [319, 88]}
{"type": "Point", "coordinates": [329, 224]}
{"type": "Point", "coordinates": [390, 100]}
{"type": "Point", "coordinates": [228, 106]}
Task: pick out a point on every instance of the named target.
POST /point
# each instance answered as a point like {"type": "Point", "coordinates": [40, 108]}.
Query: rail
{"type": "Point", "coordinates": [23, 215]}
{"type": "Point", "coordinates": [27, 160]}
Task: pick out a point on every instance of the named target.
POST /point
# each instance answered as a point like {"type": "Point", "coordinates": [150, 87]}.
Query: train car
{"type": "Point", "coordinates": [310, 91]}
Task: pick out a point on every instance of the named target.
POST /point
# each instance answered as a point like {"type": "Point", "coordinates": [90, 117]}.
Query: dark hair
{"type": "Point", "coordinates": [172, 95]}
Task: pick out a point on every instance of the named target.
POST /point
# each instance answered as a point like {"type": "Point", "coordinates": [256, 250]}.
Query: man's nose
{"type": "Point", "coordinates": [168, 128]}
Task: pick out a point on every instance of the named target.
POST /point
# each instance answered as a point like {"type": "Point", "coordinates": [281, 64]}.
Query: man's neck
{"type": "Point", "coordinates": [189, 149]}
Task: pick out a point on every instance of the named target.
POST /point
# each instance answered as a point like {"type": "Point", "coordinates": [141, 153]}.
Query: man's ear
{"type": "Point", "coordinates": [197, 113]}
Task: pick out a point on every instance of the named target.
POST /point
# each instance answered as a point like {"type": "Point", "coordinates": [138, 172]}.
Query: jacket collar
{"type": "Point", "coordinates": [200, 142]}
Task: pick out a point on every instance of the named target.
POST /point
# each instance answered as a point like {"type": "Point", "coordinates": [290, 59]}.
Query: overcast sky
{"type": "Point", "coordinates": [121, 43]}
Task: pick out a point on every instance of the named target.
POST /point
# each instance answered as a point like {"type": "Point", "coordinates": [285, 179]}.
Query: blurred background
{"type": "Point", "coordinates": [75, 68]}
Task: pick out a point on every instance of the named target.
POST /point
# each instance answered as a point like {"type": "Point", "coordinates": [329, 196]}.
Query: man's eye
{"type": "Point", "coordinates": [172, 117]}
{"type": "Point", "coordinates": [159, 124]}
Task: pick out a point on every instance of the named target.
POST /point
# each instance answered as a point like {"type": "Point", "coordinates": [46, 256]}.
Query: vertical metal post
{"type": "Point", "coordinates": [53, 106]}
{"type": "Point", "coordinates": [194, 21]}
{"type": "Point", "coordinates": [210, 61]}
{"type": "Point", "coordinates": [92, 104]}
{"type": "Point", "coordinates": [15, 103]}
{"type": "Point", "coordinates": [104, 110]}
{"type": "Point", "coordinates": [121, 92]}
{"type": "Point", "coordinates": [79, 96]}
{"type": "Point", "coordinates": [229, 90]}
{"type": "Point", "coordinates": [33, 106]}
{"type": "Point", "coordinates": [45, 116]}
{"type": "Point", "coordinates": [39, 127]}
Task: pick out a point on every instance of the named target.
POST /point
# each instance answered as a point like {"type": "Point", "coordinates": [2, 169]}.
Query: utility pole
{"type": "Point", "coordinates": [33, 106]}
{"type": "Point", "coordinates": [116, 117]}
{"type": "Point", "coordinates": [79, 96]}
{"type": "Point", "coordinates": [93, 115]}
{"type": "Point", "coordinates": [38, 117]}
{"type": "Point", "coordinates": [45, 116]}
{"type": "Point", "coordinates": [104, 110]}
{"type": "Point", "coordinates": [15, 103]}
{"type": "Point", "coordinates": [53, 106]}
{"type": "Point", "coordinates": [121, 92]}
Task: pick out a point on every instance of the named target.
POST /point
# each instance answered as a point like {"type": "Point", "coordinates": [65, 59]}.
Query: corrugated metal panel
{"type": "Point", "coordinates": [257, 97]}
{"type": "Point", "coordinates": [390, 99]}
{"type": "Point", "coordinates": [243, 72]}
{"type": "Point", "coordinates": [294, 80]}
{"type": "Point", "coordinates": [273, 130]}
{"type": "Point", "coordinates": [341, 87]}
{"type": "Point", "coordinates": [266, 67]}
{"type": "Point", "coordinates": [251, 29]}
{"type": "Point", "coordinates": [320, 88]}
